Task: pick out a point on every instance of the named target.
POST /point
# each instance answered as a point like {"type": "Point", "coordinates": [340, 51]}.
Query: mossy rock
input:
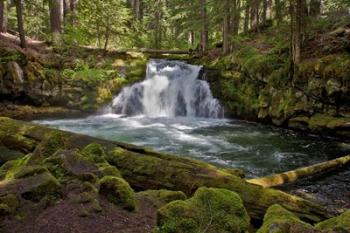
{"type": "Point", "coordinates": [161, 197]}
{"type": "Point", "coordinates": [7, 155]}
{"type": "Point", "coordinates": [53, 142]}
{"type": "Point", "coordinates": [109, 170]}
{"type": "Point", "coordinates": [94, 152]}
{"type": "Point", "coordinates": [279, 220]}
{"type": "Point", "coordinates": [118, 191]}
{"type": "Point", "coordinates": [8, 204]}
{"type": "Point", "coordinates": [319, 122]}
{"type": "Point", "coordinates": [234, 171]}
{"type": "Point", "coordinates": [27, 171]}
{"type": "Point", "coordinates": [71, 164]}
{"type": "Point", "coordinates": [209, 210]}
{"type": "Point", "coordinates": [35, 188]}
{"type": "Point", "coordinates": [339, 224]}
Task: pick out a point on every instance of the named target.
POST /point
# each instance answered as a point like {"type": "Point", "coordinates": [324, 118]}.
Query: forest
{"type": "Point", "coordinates": [175, 116]}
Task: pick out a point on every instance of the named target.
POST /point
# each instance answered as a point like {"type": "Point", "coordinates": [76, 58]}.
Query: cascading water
{"type": "Point", "coordinates": [171, 89]}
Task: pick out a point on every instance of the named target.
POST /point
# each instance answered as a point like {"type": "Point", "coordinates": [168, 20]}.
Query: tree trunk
{"type": "Point", "coordinates": [264, 12]}
{"type": "Point", "coordinates": [236, 16]}
{"type": "Point", "coordinates": [246, 18]}
{"type": "Point", "coordinates": [157, 31]}
{"type": "Point", "coordinates": [226, 27]}
{"type": "Point", "coordinates": [3, 16]}
{"type": "Point", "coordinates": [137, 8]}
{"type": "Point", "coordinates": [315, 8]}
{"type": "Point", "coordinates": [19, 11]}
{"type": "Point", "coordinates": [294, 175]}
{"type": "Point", "coordinates": [205, 27]}
{"type": "Point", "coordinates": [56, 19]}
{"type": "Point", "coordinates": [278, 11]}
{"type": "Point", "coordinates": [107, 34]}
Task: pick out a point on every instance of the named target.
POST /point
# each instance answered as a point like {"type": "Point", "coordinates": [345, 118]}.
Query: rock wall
{"type": "Point", "coordinates": [316, 101]}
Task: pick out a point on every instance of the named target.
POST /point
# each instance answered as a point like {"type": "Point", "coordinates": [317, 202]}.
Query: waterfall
{"type": "Point", "coordinates": [171, 89]}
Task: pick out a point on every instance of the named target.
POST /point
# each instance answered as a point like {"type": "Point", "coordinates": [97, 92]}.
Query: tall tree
{"type": "Point", "coordinates": [19, 11]}
{"type": "Point", "coordinates": [297, 9]}
{"type": "Point", "coordinates": [226, 27]}
{"type": "Point", "coordinates": [205, 26]}
{"type": "Point", "coordinates": [3, 16]}
{"type": "Point", "coordinates": [278, 11]}
{"type": "Point", "coordinates": [246, 16]}
{"type": "Point", "coordinates": [236, 19]}
{"type": "Point", "coordinates": [56, 19]}
{"type": "Point", "coordinates": [315, 8]}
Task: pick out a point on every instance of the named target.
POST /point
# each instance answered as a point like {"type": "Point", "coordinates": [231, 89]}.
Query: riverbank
{"type": "Point", "coordinates": [255, 83]}
{"type": "Point", "coordinates": [91, 180]}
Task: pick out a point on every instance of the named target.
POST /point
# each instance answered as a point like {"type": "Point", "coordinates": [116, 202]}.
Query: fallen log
{"type": "Point", "coordinates": [294, 175]}
{"type": "Point", "coordinates": [158, 51]}
{"type": "Point", "coordinates": [145, 169]}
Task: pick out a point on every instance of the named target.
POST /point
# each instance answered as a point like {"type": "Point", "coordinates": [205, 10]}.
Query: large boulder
{"type": "Point", "coordinates": [337, 224]}
{"type": "Point", "coordinates": [209, 210]}
{"type": "Point", "coordinates": [279, 220]}
{"type": "Point", "coordinates": [118, 191]}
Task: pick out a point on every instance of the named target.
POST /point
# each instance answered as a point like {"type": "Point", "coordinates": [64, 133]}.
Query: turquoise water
{"type": "Point", "coordinates": [257, 149]}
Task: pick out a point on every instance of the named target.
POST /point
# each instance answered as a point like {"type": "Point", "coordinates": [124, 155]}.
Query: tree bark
{"type": "Point", "coordinates": [226, 27]}
{"type": "Point", "coordinates": [56, 19]}
{"type": "Point", "coordinates": [19, 11]}
{"type": "Point", "coordinates": [205, 27]}
{"type": "Point", "coordinates": [278, 11]}
{"type": "Point", "coordinates": [3, 16]}
{"type": "Point", "coordinates": [315, 8]}
{"type": "Point", "coordinates": [294, 175]}
{"type": "Point", "coordinates": [236, 16]}
{"type": "Point", "coordinates": [246, 18]}
{"type": "Point", "coordinates": [107, 34]}
{"type": "Point", "coordinates": [264, 12]}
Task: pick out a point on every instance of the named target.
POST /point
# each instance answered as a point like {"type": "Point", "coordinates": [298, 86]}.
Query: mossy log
{"type": "Point", "coordinates": [145, 169]}
{"type": "Point", "coordinates": [294, 175]}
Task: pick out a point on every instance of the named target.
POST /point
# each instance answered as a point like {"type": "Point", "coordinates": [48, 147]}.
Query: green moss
{"type": "Point", "coordinates": [118, 191]}
{"type": "Point", "coordinates": [7, 155]}
{"type": "Point", "coordinates": [8, 204]}
{"type": "Point", "coordinates": [53, 142]}
{"type": "Point", "coordinates": [11, 168]}
{"type": "Point", "coordinates": [108, 170]}
{"type": "Point", "coordinates": [26, 171]}
{"type": "Point", "coordinates": [234, 171]}
{"type": "Point", "coordinates": [337, 224]}
{"type": "Point", "coordinates": [161, 197]}
{"type": "Point", "coordinates": [94, 152]}
{"type": "Point", "coordinates": [43, 185]}
{"type": "Point", "coordinates": [279, 220]}
{"type": "Point", "coordinates": [321, 121]}
{"type": "Point", "coordinates": [209, 210]}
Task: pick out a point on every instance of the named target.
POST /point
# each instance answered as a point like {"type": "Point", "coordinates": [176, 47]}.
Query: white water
{"type": "Point", "coordinates": [171, 89]}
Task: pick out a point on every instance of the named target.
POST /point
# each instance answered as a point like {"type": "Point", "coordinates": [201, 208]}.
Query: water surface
{"type": "Point", "coordinates": [257, 149]}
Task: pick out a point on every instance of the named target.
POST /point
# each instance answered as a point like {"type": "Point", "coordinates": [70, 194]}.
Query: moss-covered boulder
{"type": "Point", "coordinates": [279, 220]}
{"type": "Point", "coordinates": [337, 224]}
{"type": "Point", "coordinates": [8, 204]}
{"type": "Point", "coordinates": [209, 210]}
{"type": "Point", "coordinates": [118, 191]}
{"type": "Point", "coordinates": [161, 197]}
{"type": "Point", "coordinates": [7, 155]}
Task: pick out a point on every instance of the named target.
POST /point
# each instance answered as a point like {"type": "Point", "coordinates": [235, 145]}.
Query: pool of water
{"type": "Point", "coordinates": [257, 149]}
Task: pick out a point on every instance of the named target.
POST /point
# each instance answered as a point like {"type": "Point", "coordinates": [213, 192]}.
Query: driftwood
{"type": "Point", "coordinates": [145, 169]}
{"type": "Point", "coordinates": [294, 175]}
